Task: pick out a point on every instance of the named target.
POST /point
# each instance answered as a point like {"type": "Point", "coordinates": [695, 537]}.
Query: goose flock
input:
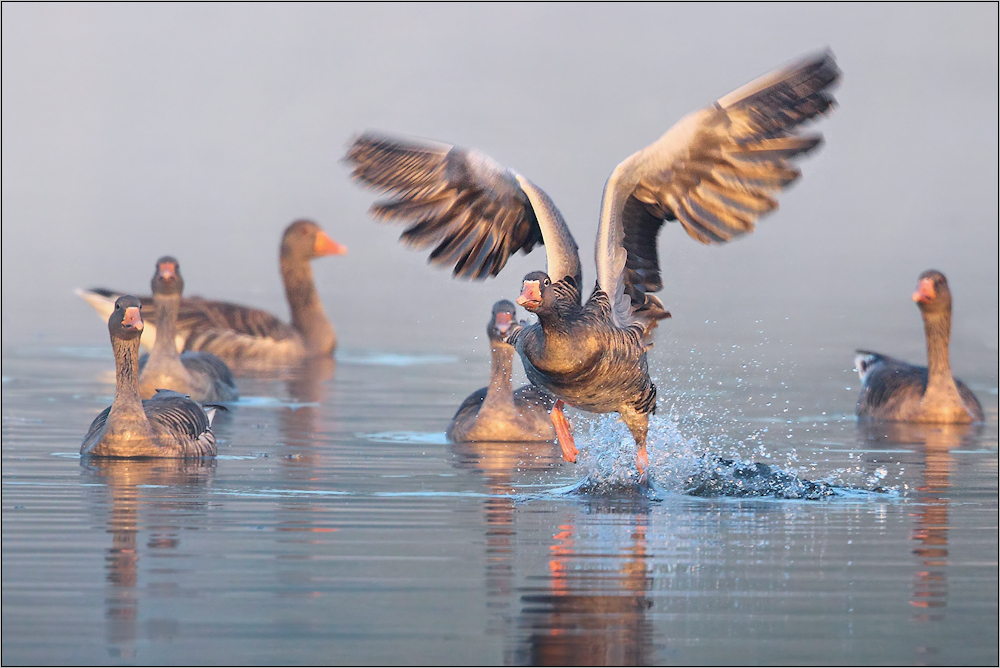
{"type": "Point", "coordinates": [715, 172]}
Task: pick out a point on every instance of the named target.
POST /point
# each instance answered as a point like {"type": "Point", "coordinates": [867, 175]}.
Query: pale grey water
{"type": "Point", "coordinates": [338, 525]}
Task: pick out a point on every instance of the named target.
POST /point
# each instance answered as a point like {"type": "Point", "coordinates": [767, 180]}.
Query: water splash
{"type": "Point", "coordinates": [717, 476]}
{"type": "Point", "coordinates": [686, 465]}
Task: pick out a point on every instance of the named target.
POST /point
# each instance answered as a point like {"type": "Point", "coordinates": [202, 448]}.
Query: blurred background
{"type": "Point", "coordinates": [131, 131]}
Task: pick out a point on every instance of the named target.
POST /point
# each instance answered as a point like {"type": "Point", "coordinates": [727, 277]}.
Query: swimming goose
{"type": "Point", "coordinates": [168, 425]}
{"type": "Point", "coordinates": [247, 339]}
{"type": "Point", "coordinates": [714, 172]}
{"type": "Point", "coordinates": [497, 412]}
{"type": "Point", "coordinates": [897, 391]}
{"type": "Point", "coordinates": [201, 375]}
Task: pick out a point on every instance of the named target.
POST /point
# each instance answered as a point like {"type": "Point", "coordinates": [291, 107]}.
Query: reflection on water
{"type": "Point", "coordinates": [591, 608]}
{"type": "Point", "coordinates": [584, 612]}
{"type": "Point", "coordinates": [302, 458]}
{"type": "Point", "coordinates": [299, 424]}
{"type": "Point", "coordinates": [499, 462]}
{"type": "Point", "coordinates": [340, 526]}
{"type": "Point", "coordinates": [932, 445]}
{"type": "Point", "coordinates": [152, 497]}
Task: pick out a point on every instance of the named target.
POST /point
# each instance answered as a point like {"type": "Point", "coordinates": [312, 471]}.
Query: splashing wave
{"type": "Point", "coordinates": [678, 464]}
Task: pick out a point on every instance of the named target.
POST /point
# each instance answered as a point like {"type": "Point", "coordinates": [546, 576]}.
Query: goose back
{"type": "Point", "coordinates": [247, 339]}
{"type": "Point", "coordinates": [893, 390]}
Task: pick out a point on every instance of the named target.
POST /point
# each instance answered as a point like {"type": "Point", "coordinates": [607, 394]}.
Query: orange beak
{"type": "Point", "coordinates": [503, 322]}
{"type": "Point", "coordinates": [327, 246]}
{"type": "Point", "coordinates": [132, 318]}
{"type": "Point", "coordinates": [925, 291]}
{"type": "Point", "coordinates": [531, 295]}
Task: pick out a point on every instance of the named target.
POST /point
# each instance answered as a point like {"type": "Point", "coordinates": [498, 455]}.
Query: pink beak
{"type": "Point", "coordinates": [503, 322]}
{"type": "Point", "coordinates": [531, 295]}
{"type": "Point", "coordinates": [925, 291]}
{"type": "Point", "coordinates": [168, 270]}
{"type": "Point", "coordinates": [132, 318]}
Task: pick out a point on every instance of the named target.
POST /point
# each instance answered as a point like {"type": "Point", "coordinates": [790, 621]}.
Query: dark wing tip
{"type": "Point", "coordinates": [470, 207]}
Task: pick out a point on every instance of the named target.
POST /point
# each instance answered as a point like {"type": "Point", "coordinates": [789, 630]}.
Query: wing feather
{"type": "Point", "coordinates": [474, 211]}
{"type": "Point", "coordinates": [460, 202]}
{"type": "Point", "coordinates": [716, 172]}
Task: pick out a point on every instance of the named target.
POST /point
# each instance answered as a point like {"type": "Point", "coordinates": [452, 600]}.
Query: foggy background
{"type": "Point", "coordinates": [133, 131]}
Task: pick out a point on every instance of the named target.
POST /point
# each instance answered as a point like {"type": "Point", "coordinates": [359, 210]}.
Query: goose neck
{"type": "Point", "coordinates": [127, 401]}
{"type": "Point", "coordinates": [308, 316]}
{"type": "Point", "coordinates": [167, 309]}
{"type": "Point", "coordinates": [937, 330]}
{"type": "Point", "coordinates": [500, 391]}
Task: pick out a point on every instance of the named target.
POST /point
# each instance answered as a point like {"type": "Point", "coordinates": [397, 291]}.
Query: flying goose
{"type": "Point", "coordinates": [715, 172]}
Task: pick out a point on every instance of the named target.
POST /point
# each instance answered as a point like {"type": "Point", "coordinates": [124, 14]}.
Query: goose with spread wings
{"type": "Point", "coordinates": [715, 172]}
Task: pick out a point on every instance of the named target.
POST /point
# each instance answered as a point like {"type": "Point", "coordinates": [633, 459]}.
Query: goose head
{"type": "Point", "coordinates": [126, 320]}
{"type": "Point", "coordinates": [304, 240]}
{"type": "Point", "coordinates": [502, 320]}
{"type": "Point", "coordinates": [933, 294]}
{"type": "Point", "coordinates": [537, 294]}
{"type": "Point", "coordinates": [167, 278]}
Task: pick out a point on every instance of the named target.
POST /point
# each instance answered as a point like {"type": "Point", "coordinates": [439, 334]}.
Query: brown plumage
{"type": "Point", "coordinates": [247, 339]}
{"type": "Point", "coordinates": [716, 172]}
{"type": "Point", "coordinates": [498, 412]}
{"type": "Point", "coordinates": [200, 375]}
{"type": "Point", "coordinates": [897, 391]}
{"type": "Point", "coordinates": [167, 425]}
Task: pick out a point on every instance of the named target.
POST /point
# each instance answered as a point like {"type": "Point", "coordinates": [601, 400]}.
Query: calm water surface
{"type": "Point", "coordinates": [338, 525]}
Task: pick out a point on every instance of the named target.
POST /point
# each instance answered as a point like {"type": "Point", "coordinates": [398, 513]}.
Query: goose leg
{"type": "Point", "coordinates": [561, 424]}
{"type": "Point", "coordinates": [638, 424]}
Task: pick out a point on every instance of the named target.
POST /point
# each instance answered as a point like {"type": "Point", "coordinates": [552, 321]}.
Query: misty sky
{"type": "Point", "coordinates": [131, 131]}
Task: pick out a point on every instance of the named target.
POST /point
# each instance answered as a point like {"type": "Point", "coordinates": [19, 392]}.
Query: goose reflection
{"type": "Point", "coordinates": [932, 449]}
{"type": "Point", "coordinates": [499, 462]}
{"type": "Point", "coordinates": [306, 459]}
{"type": "Point", "coordinates": [593, 608]}
{"type": "Point", "coordinates": [585, 613]}
{"type": "Point", "coordinates": [146, 496]}
{"type": "Point", "coordinates": [300, 424]}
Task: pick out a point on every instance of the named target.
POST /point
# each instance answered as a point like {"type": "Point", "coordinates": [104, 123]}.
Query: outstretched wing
{"type": "Point", "coordinates": [475, 210]}
{"type": "Point", "coordinates": [715, 172]}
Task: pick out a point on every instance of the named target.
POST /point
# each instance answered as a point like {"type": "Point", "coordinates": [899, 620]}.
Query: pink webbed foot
{"type": "Point", "coordinates": [561, 424]}
{"type": "Point", "coordinates": [642, 463]}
